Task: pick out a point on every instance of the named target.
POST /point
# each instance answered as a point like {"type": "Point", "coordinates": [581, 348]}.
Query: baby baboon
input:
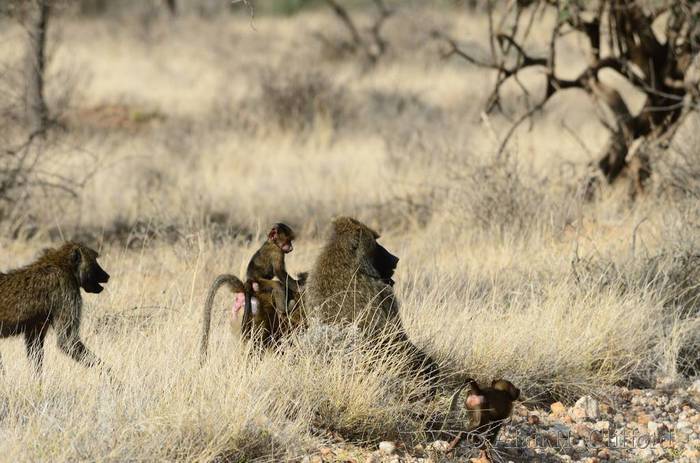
{"type": "Point", "coordinates": [488, 408]}
{"type": "Point", "coordinates": [267, 312]}
{"type": "Point", "coordinates": [47, 293]}
{"type": "Point", "coordinates": [352, 281]}
{"type": "Point", "coordinates": [268, 262]}
{"type": "Point", "coordinates": [285, 313]}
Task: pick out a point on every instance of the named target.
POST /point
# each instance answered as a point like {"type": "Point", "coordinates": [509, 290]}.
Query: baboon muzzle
{"type": "Point", "coordinates": [385, 263]}
{"type": "Point", "coordinates": [91, 284]}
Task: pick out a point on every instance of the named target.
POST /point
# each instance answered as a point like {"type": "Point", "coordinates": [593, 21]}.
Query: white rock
{"type": "Point", "coordinates": [695, 387]}
{"type": "Point", "coordinates": [684, 426]}
{"type": "Point", "coordinates": [561, 429]}
{"type": "Point", "coordinates": [387, 447]}
{"type": "Point", "coordinates": [439, 446]}
{"type": "Point", "coordinates": [653, 428]}
{"type": "Point", "coordinates": [586, 407]}
{"type": "Point", "coordinates": [601, 426]}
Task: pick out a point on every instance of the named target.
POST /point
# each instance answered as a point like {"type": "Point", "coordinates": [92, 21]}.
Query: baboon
{"type": "Point", "coordinates": [351, 281]}
{"type": "Point", "coordinates": [268, 262]}
{"type": "Point", "coordinates": [488, 408]}
{"type": "Point", "coordinates": [47, 293]}
{"type": "Point", "coordinates": [268, 313]}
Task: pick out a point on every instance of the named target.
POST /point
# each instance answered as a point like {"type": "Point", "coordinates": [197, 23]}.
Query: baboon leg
{"type": "Point", "coordinates": [78, 352]}
{"type": "Point", "coordinates": [282, 300]}
{"type": "Point", "coordinates": [34, 341]}
{"type": "Point", "coordinates": [2, 367]}
{"type": "Point", "coordinates": [67, 325]}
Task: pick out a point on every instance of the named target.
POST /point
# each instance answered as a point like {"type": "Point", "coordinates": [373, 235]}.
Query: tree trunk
{"type": "Point", "coordinates": [35, 62]}
{"type": "Point", "coordinates": [172, 6]}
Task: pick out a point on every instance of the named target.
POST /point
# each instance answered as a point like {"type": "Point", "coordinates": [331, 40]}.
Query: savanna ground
{"type": "Point", "coordinates": [181, 140]}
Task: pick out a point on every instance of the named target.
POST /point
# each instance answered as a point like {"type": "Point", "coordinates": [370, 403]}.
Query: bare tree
{"type": "Point", "coordinates": [370, 45]}
{"type": "Point", "coordinates": [35, 62]}
{"type": "Point", "coordinates": [621, 38]}
{"type": "Point", "coordinates": [172, 7]}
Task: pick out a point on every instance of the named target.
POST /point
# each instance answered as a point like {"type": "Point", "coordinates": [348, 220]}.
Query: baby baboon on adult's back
{"type": "Point", "coordinates": [47, 293]}
{"type": "Point", "coordinates": [268, 262]}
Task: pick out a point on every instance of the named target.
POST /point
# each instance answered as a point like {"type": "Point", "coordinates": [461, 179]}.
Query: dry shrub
{"type": "Point", "coordinates": [299, 101]}
{"type": "Point", "coordinates": [552, 339]}
{"type": "Point", "coordinates": [498, 196]}
{"type": "Point", "coordinates": [672, 279]}
{"type": "Point", "coordinates": [352, 384]}
{"type": "Point", "coordinates": [672, 276]}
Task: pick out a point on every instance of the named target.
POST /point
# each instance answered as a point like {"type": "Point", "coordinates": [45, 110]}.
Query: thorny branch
{"type": "Point", "coordinates": [372, 47]}
{"type": "Point", "coordinates": [622, 39]}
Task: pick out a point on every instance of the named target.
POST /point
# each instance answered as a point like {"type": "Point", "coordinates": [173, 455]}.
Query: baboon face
{"type": "Point", "coordinates": [89, 272]}
{"type": "Point", "coordinates": [283, 237]}
{"type": "Point", "coordinates": [382, 263]}
{"type": "Point", "coordinates": [385, 263]}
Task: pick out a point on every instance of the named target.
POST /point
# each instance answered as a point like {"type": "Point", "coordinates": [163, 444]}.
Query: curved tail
{"type": "Point", "coordinates": [237, 286]}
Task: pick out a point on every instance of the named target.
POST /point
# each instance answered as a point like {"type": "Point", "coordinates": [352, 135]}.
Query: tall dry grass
{"type": "Point", "coordinates": [204, 132]}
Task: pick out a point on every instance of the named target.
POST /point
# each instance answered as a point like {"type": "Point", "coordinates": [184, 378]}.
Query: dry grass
{"type": "Point", "coordinates": [504, 270]}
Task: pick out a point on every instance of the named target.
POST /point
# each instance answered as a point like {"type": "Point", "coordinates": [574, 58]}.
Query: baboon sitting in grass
{"type": "Point", "coordinates": [351, 281]}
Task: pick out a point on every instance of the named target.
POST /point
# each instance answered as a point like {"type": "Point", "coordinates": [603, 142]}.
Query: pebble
{"type": "Point", "coordinates": [558, 409]}
{"type": "Point", "coordinates": [683, 426]}
{"type": "Point", "coordinates": [588, 431]}
{"type": "Point", "coordinates": [586, 408]}
{"type": "Point", "coordinates": [439, 446]}
{"type": "Point", "coordinates": [653, 428]}
{"type": "Point", "coordinates": [695, 387]}
{"type": "Point", "coordinates": [387, 447]}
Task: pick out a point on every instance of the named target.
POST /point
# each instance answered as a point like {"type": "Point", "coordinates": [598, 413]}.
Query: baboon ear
{"type": "Point", "coordinates": [272, 235]}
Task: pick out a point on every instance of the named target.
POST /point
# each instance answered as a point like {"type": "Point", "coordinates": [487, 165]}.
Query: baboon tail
{"type": "Point", "coordinates": [232, 282]}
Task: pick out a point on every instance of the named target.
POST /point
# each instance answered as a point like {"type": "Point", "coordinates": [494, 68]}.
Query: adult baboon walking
{"type": "Point", "coordinates": [351, 281]}
{"type": "Point", "coordinates": [47, 293]}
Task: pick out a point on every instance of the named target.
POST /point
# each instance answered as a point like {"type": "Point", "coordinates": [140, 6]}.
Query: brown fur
{"type": "Point", "coordinates": [235, 285]}
{"type": "Point", "coordinates": [268, 314]}
{"type": "Point", "coordinates": [46, 293]}
{"type": "Point", "coordinates": [351, 281]}
{"type": "Point", "coordinates": [282, 309]}
{"type": "Point", "coordinates": [344, 284]}
{"type": "Point", "coordinates": [488, 408]}
{"type": "Point", "coordinates": [268, 261]}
